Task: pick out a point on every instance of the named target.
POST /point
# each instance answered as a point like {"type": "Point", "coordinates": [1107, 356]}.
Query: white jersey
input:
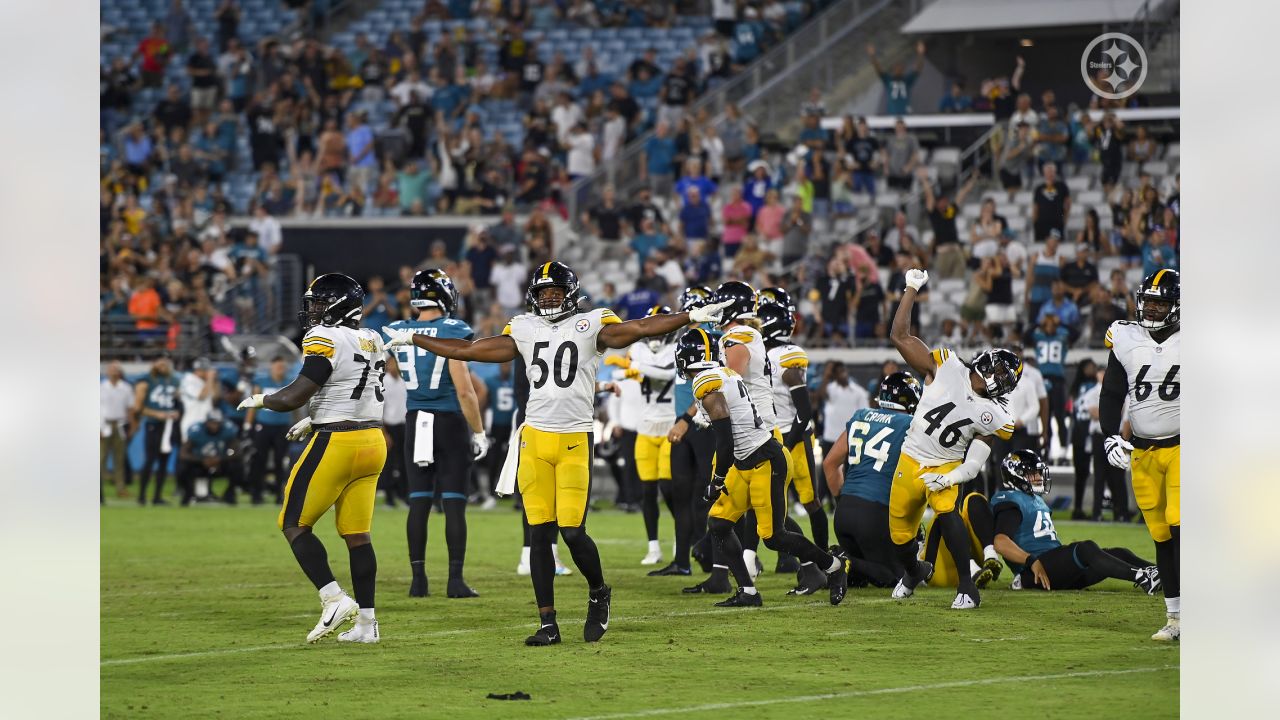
{"type": "Point", "coordinates": [842, 402]}
{"type": "Point", "coordinates": [749, 430]}
{"type": "Point", "coordinates": [657, 387]}
{"type": "Point", "coordinates": [627, 406]}
{"type": "Point", "coordinates": [561, 359]}
{"type": "Point", "coordinates": [759, 375]}
{"type": "Point", "coordinates": [1155, 388]}
{"type": "Point", "coordinates": [353, 391]}
{"type": "Point", "coordinates": [950, 414]}
{"type": "Point", "coordinates": [782, 358]}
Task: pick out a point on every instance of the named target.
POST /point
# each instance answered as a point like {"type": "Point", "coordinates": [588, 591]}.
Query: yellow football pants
{"type": "Point", "coordinates": [337, 470]}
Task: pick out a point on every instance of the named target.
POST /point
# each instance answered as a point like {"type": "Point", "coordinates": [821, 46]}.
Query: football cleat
{"type": "Point", "coordinates": [1149, 580]}
{"type": "Point", "coordinates": [547, 634]}
{"type": "Point", "coordinates": [561, 569]}
{"type": "Point", "coordinates": [653, 558]}
{"type": "Point", "coordinates": [597, 614]}
{"type": "Point", "coordinates": [742, 599]}
{"type": "Point", "coordinates": [1170, 632]}
{"type": "Point", "coordinates": [334, 611]}
{"type": "Point", "coordinates": [906, 587]}
{"type": "Point", "coordinates": [672, 569]}
{"type": "Point", "coordinates": [459, 589]}
{"type": "Point", "coordinates": [985, 574]}
{"type": "Point", "coordinates": [966, 601]}
{"type": "Point", "coordinates": [712, 586]}
{"type": "Point", "coordinates": [809, 580]}
{"type": "Point", "coordinates": [418, 586]}
{"type": "Point", "coordinates": [522, 569]}
{"type": "Point", "coordinates": [364, 631]}
{"type": "Point", "coordinates": [1017, 583]}
{"type": "Point", "coordinates": [787, 564]}
{"type": "Point", "coordinates": [838, 583]}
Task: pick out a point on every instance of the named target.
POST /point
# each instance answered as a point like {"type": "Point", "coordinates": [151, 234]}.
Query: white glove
{"type": "Point", "coordinates": [708, 313]}
{"type": "Point", "coordinates": [937, 482]}
{"type": "Point", "coordinates": [397, 337]}
{"type": "Point", "coordinates": [916, 279]}
{"type": "Point", "coordinates": [253, 401]}
{"type": "Point", "coordinates": [479, 445]}
{"type": "Point", "coordinates": [701, 421]}
{"type": "Point", "coordinates": [300, 431]}
{"type": "Point", "coordinates": [1118, 450]}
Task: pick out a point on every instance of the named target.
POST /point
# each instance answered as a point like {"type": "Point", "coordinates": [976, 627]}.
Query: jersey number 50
{"type": "Point", "coordinates": [570, 366]}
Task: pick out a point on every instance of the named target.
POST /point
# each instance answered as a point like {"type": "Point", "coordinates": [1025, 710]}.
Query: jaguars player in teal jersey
{"type": "Point", "coordinates": [209, 451]}
{"type": "Point", "coordinates": [868, 449]}
{"type": "Point", "coordinates": [442, 424]}
{"type": "Point", "coordinates": [1051, 340]}
{"type": "Point", "coordinates": [1027, 540]}
{"type": "Point", "coordinates": [156, 404]}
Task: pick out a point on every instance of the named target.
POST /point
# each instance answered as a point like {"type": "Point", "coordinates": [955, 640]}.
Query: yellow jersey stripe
{"type": "Point", "coordinates": [507, 330]}
{"type": "Point", "coordinates": [1004, 433]}
{"type": "Point", "coordinates": [708, 385]}
{"type": "Point", "coordinates": [940, 356]}
{"type": "Point", "coordinates": [1109, 340]}
{"type": "Point", "coordinates": [609, 318]}
{"type": "Point", "coordinates": [318, 339]}
{"type": "Point", "coordinates": [318, 349]}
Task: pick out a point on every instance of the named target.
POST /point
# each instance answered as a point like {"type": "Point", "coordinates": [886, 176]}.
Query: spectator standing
{"type": "Point", "coordinates": [360, 148]}
{"type": "Point", "coordinates": [1046, 269]}
{"type": "Point", "coordinates": [956, 101]}
{"type": "Point", "coordinates": [864, 149]}
{"type": "Point", "coordinates": [1108, 138]}
{"type": "Point", "coordinates": [659, 160]}
{"type": "Point", "coordinates": [695, 177]}
{"type": "Point", "coordinates": [582, 148]}
{"type": "Point", "coordinates": [736, 215]}
{"type": "Point", "coordinates": [605, 219]}
{"type": "Point", "coordinates": [677, 90]}
{"type": "Point", "coordinates": [510, 279]}
{"type": "Point", "coordinates": [173, 111]}
{"type": "Point", "coordinates": [506, 232]}
{"type": "Point", "coordinates": [757, 186]}
{"type": "Point", "coordinates": [642, 208]}
{"type": "Point", "coordinates": [1016, 157]}
{"type": "Point", "coordinates": [156, 404]}
{"type": "Point", "coordinates": [203, 72]}
{"type": "Point", "coordinates": [838, 290]}
{"type": "Point", "coordinates": [228, 17]}
{"type": "Point", "coordinates": [154, 51]}
{"type": "Point", "coordinates": [901, 156]}
{"type": "Point", "coordinates": [869, 315]}
{"type": "Point", "coordinates": [997, 281]}
{"type": "Point", "coordinates": [948, 255]}
{"type": "Point", "coordinates": [178, 27]}
{"type": "Point", "coordinates": [198, 392]}
{"type": "Point", "coordinates": [480, 257]}
{"type": "Point", "coordinates": [695, 217]}
{"type": "Point", "coordinates": [797, 225]}
{"type": "Point", "coordinates": [1051, 204]}
{"type": "Point", "coordinates": [898, 83]}
{"type": "Point", "coordinates": [647, 240]}
{"type": "Point", "coordinates": [1052, 138]}
{"type": "Point", "coordinates": [116, 401]}
{"type": "Point", "coordinates": [268, 434]}
{"type": "Point", "coordinates": [838, 396]}
{"type": "Point", "coordinates": [1051, 342]}
{"type": "Point", "coordinates": [1080, 275]}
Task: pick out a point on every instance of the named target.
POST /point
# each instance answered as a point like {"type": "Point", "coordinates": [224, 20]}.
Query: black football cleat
{"type": "Point", "coordinates": [548, 634]}
{"type": "Point", "coordinates": [712, 586]}
{"type": "Point", "coordinates": [597, 614]}
{"type": "Point", "coordinates": [459, 589]}
{"type": "Point", "coordinates": [809, 580]}
{"type": "Point", "coordinates": [786, 564]}
{"type": "Point", "coordinates": [672, 569]}
{"type": "Point", "coordinates": [988, 573]}
{"type": "Point", "coordinates": [742, 599]}
{"type": "Point", "coordinates": [418, 587]}
{"type": "Point", "coordinates": [838, 582]}
{"type": "Point", "coordinates": [1148, 580]}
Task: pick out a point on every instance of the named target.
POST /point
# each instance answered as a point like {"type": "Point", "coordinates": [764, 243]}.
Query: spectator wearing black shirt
{"type": "Point", "coordinates": [415, 117]}
{"type": "Point", "coordinates": [648, 61]}
{"type": "Point", "coordinates": [677, 90]}
{"type": "Point", "coordinates": [532, 73]}
{"type": "Point", "coordinates": [869, 316]}
{"type": "Point", "coordinates": [1051, 204]}
{"type": "Point", "coordinates": [480, 257]}
{"type": "Point", "coordinates": [119, 84]}
{"type": "Point", "coordinates": [864, 148]}
{"type": "Point", "coordinates": [228, 17]}
{"type": "Point", "coordinates": [265, 139]}
{"type": "Point", "coordinates": [1080, 276]}
{"type": "Point", "coordinates": [203, 72]}
{"type": "Point", "coordinates": [996, 278]}
{"type": "Point", "coordinates": [875, 247]}
{"type": "Point", "coordinates": [1004, 93]}
{"type": "Point", "coordinates": [173, 111]}
{"type": "Point", "coordinates": [492, 196]}
{"type": "Point", "coordinates": [839, 296]}
{"type": "Point", "coordinates": [948, 255]}
{"type": "Point", "coordinates": [605, 219]}
{"type": "Point", "coordinates": [898, 284]}
{"type": "Point", "coordinates": [644, 209]}
{"type": "Point", "coordinates": [533, 177]}
{"type": "Point", "coordinates": [1108, 137]}
{"type": "Point", "coordinates": [626, 105]}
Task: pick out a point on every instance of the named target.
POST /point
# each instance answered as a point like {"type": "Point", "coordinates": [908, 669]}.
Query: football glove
{"type": "Point", "coordinates": [1118, 450]}
{"type": "Point", "coordinates": [701, 421]}
{"type": "Point", "coordinates": [632, 374]}
{"type": "Point", "coordinates": [937, 482]}
{"type": "Point", "coordinates": [253, 401]}
{"type": "Point", "coordinates": [916, 279]}
{"type": "Point", "coordinates": [300, 431]}
{"type": "Point", "coordinates": [621, 361]}
{"type": "Point", "coordinates": [479, 445]}
{"type": "Point", "coordinates": [709, 313]}
{"type": "Point", "coordinates": [397, 337]}
{"type": "Point", "coordinates": [714, 490]}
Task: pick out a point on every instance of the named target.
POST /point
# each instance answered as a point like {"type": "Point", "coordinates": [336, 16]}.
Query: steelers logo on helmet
{"type": "Point", "coordinates": [1000, 370]}
{"type": "Point", "coordinates": [1023, 470]}
{"type": "Point", "coordinates": [776, 322]}
{"type": "Point", "coordinates": [695, 296]}
{"type": "Point", "coordinates": [899, 391]}
{"type": "Point", "coordinates": [331, 299]}
{"type": "Point", "coordinates": [1158, 300]}
{"type": "Point", "coordinates": [741, 298]}
{"type": "Point", "coordinates": [695, 352]}
{"type": "Point", "coordinates": [656, 343]}
{"type": "Point", "coordinates": [433, 289]}
{"type": "Point", "coordinates": [777, 296]}
{"type": "Point", "coordinates": [554, 292]}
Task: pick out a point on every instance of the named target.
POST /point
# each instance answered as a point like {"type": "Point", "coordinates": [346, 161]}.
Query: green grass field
{"type": "Point", "coordinates": [204, 614]}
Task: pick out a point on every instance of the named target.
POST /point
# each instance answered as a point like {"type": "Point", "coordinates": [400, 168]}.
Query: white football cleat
{"type": "Point", "coordinates": [1017, 583]}
{"type": "Point", "coordinates": [364, 631]}
{"type": "Point", "coordinates": [334, 611]}
{"type": "Point", "coordinates": [964, 601]}
{"type": "Point", "coordinates": [1170, 632]}
{"type": "Point", "coordinates": [652, 558]}
{"type": "Point", "coordinates": [522, 569]}
{"type": "Point", "coordinates": [561, 569]}
{"type": "Point", "coordinates": [902, 592]}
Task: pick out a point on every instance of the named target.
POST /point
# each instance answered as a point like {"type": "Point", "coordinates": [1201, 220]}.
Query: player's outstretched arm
{"type": "Point", "coordinates": [295, 394]}
{"type": "Point", "coordinates": [495, 349]}
{"type": "Point", "coordinates": [836, 457]}
{"type": "Point", "coordinates": [621, 335]}
{"type": "Point", "coordinates": [913, 349]}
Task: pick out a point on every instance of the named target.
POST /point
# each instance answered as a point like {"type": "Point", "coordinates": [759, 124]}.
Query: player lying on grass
{"type": "Point", "coordinates": [1027, 540]}
{"type": "Point", "coordinates": [750, 471]}
{"type": "Point", "coordinates": [561, 344]}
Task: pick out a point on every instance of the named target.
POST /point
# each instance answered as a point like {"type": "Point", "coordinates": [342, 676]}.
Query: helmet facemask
{"type": "Point", "coordinates": [553, 311]}
{"type": "Point", "coordinates": [996, 375]}
{"type": "Point", "coordinates": [1149, 311]}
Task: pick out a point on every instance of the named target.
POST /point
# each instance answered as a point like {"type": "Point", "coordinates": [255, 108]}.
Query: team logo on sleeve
{"type": "Point", "coordinates": [986, 418]}
{"type": "Point", "coordinates": [583, 325]}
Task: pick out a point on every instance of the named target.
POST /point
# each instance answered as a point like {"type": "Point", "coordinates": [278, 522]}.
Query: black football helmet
{"type": "Point", "coordinates": [1159, 289]}
{"type": "Point", "coordinates": [554, 274]}
{"type": "Point", "coordinates": [899, 391]}
{"type": "Point", "coordinates": [742, 301]}
{"type": "Point", "coordinates": [331, 299]}
{"type": "Point", "coordinates": [433, 289]}
{"type": "Point", "coordinates": [695, 296]}
{"type": "Point", "coordinates": [776, 323]}
{"type": "Point", "coordinates": [656, 343]}
{"type": "Point", "coordinates": [1000, 369]}
{"type": "Point", "coordinates": [777, 296]}
{"type": "Point", "coordinates": [1023, 470]}
{"type": "Point", "coordinates": [696, 351]}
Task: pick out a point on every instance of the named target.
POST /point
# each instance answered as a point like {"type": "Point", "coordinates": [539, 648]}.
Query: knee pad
{"type": "Point", "coordinates": [572, 535]}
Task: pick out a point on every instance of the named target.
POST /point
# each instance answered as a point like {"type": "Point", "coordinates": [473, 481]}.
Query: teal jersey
{"type": "Point", "coordinates": [502, 399]}
{"type": "Point", "coordinates": [426, 376]}
{"type": "Point", "coordinates": [211, 444]}
{"type": "Point", "coordinates": [875, 442]}
{"type": "Point", "coordinates": [683, 389]}
{"type": "Point", "coordinates": [1051, 352]}
{"type": "Point", "coordinates": [1036, 533]}
{"type": "Point", "coordinates": [162, 392]}
{"type": "Point", "coordinates": [266, 385]}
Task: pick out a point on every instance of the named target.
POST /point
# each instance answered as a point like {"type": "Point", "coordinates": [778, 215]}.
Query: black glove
{"type": "Point", "coordinates": [714, 490]}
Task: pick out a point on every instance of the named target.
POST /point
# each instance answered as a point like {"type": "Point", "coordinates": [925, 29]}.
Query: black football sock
{"type": "Point", "coordinates": [906, 554]}
{"type": "Point", "coordinates": [794, 543]}
{"type": "Point", "coordinates": [542, 566]}
{"type": "Point", "coordinates": [416, 528]}
{"type": "Point", "coordinates": [956, 536]}
{"type": "Point", "coordinates": [818, 524]}
{"type": "Point", "coordinates": [585, 555]}
{"type": "Point", "coordinates": [455, 534]}
{"type": "Point", "coordinates": [649, 508]}
{"type": "Point", "coordinates": [1128, 557]}
{"type": "Point", "coordinates": [729, 551]}
{"type": "Point", "coordinates": [1088, 553]}
{"type": "Point", "coordinates": [1167, 561]}
{"type": "Point", "coordinates": [312, 558]}
{"type": "Point", "coordinates": [364, 573]}
{"type": "Point", "coordinates": [678, 501]}
{"type": "Point", "coordinates": [748, 533]}
{"type": "Point", "coordinates": [932, 542]}
{"type": "Point", "coordinates": [981, 519]}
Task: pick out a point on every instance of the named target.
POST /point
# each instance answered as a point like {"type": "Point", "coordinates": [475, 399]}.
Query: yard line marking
{"type": "Point", "coordinates": [879, 691]}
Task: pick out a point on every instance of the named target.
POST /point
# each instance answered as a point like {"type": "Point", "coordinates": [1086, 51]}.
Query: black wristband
{"type": "Point", "coordinates": [686, 417]}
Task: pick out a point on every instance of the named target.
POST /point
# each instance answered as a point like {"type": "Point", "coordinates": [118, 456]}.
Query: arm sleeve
{"type": "Point", "coordinates": [1008, 518]}
{"type": "Point", "coordinates": [656, 372]}
{"type": "Point", "coordinates": [804, 413]}
{"type": "Point", "coordinates": [1115, 385]}
{"type": "Point", "coordinates": [724, 446]}
{"type": "Point", "coordinates": [973, 462]}
{"type": "Point", "coordinates": [317, 369]}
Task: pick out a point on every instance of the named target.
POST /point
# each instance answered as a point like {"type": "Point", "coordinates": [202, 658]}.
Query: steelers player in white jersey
{"type": "Point", "coordinates": [653, 363]}
{"type": "Point", "coordinates": [795, 414]}
{"type": "Point", "coordinates": [341, 384]}
{"type": "Point", "coordinates": [1144, 369]}
{"type": "Point", "coordinates": [750, 471]}
{"type": "Point", "coordinates": [947, 444]}
{"type": "Point", "coordinates": [561, 344]}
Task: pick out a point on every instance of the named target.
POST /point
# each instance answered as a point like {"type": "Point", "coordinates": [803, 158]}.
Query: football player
{"type": "Point", "coordinates": [980, 525]}
{"type": "Point", "coordinates": [561, 343]}
{"type": "Point", "coordinates": [868, 449]}
{"type": "Point", "coordinates": [795, 415]}
{"type": "Point", "coordinates": [156, 403]}
{"type": "Point", "coordinates": [947, 444]}
{"type": "Point", "coordinates": [341, 383]}
{"type": "Point", "coordinates": [750, 471]}
{"type": "Point", "coordinates": [443, 417]}
{"type": "Point", "coordinates": [1144, 368]}
{"type": "Point", "coordinates": [652, 362]}
{"type": "Point", "coordinates": [1027, 540]}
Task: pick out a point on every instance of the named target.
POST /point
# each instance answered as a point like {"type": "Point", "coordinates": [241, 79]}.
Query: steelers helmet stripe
{"type": "Point", "coordinates": [706, 344]}
{"type": "Point", "coordinates": [546, 269]}
{"type": "Point", "coordinates": [1159, 275]}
